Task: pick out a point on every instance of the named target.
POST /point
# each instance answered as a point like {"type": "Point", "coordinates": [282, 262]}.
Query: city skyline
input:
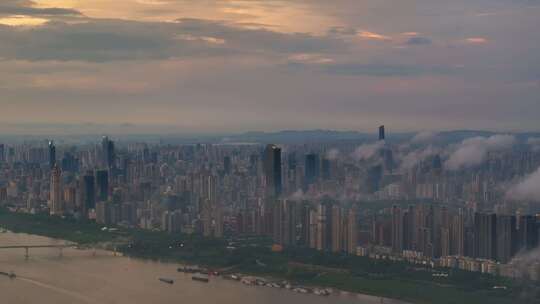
{"type": "Point", "coordinates": [273, 151]}
{"type": "Point", "coordinates": [451, 208]}
{"type": "Point", "coordinates": [233, 66]}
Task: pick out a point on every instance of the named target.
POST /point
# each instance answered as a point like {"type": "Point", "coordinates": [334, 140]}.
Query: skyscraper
{"type": "Point", "coordinates": [326, 173]}
{"type": "Point", "coordinates": [324, 226]}
{"type": "Point", "coordinates": [88, 191]}
{"type": "Point", "coordinates": [57, 207]}
{"type": "Point", "coordinates": [373, 179]}
{"type": "Point", "coordinates": [351, 232]}
{"type": "Point", "coordinates": [336, 228]}
{"type": "Point", "coordinates": [108, 153]}
{"type": "Point", "coordinates": [272, 170]}
{"type": "Point", "coordinates": [285, 220]}
{"type": "Point", "coordinates": [227, 165]}
{"type": "Point", "coordinates": [311, 169]}
{"type": "Point", "coordinates": [102, 185]}
{"type": "Point", "coordinates": [397, 230]}
{"type": "Point", "coordinates": [506, 237]}
{"type": "Point", "coordinates": [2, 153]}
{"type": "Point", "coordinates": [381, 133]}
{"type": "Point", "coordinates": [52, 154]}
{"type": "Point", "coordinates": [527, 238]}
{"type": "Point", "coordinates": [485, 235]}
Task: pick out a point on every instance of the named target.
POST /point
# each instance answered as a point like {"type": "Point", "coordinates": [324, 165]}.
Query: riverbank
{"type": "Point", "coordinates": [253, 257]}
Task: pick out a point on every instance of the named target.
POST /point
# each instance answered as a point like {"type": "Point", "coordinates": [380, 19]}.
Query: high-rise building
{"type": "Point", "coordinates": [527, 237]}
{"type": "Point", "coordinates": [212, 219]}
{"type": "Point", "coordinates": [107, 152]}
{"type": "Point", "coordinates": [69, 163]}
{"type": "Point", "coordinates": [311, 169]}
{"type": "Point", "coordinates": [397, 230]}
{"type": "Point", "coordinates": [278, 215]}
{"type": "Point", "coordinates": [227, 165]}
{"type": "Point", "coordinates": [381, 133]}
{"type": "Point", "coordinates": [324, 227]}
{"type": "Point", "coordinates": [2, 153]}
{"type": "Point", "coordinates": [408, 228]}
{"type": "Point", "coordinates": [305, 233]}
{"type": "Point", "coordinates": [373, 179]}
{"type": "Point", "coordinates": [351, 232]}
{"type": "Point", "coordinates": [102, 185]}
{"type": "Point", "coordinates": [56, 194]}
{"type": "Point", "coordinates": [171, 221]}
{"type": "Point", "coordinates": [485, 235]}
{"type": "Point", "coordinates": [336, 228]}
{"type": "Point", "coordinates": [313, 229]}
{"type": "Point", "coordinates": [88, 191]}
{"type": "Point", "coordinates": [458, 234]}
{"type": "Point", "coordinates": [52, 154]}
{"type": "Point", "coordinates": [285, 220]}
{"type": "Point", "coordinates": [506, 238]}
{"type": "Point", "coordinates": [69, 198]}
{"type": "Point", "coordinates": [326, 173]}
{"type": "Point", "coordinates": [272, 170]}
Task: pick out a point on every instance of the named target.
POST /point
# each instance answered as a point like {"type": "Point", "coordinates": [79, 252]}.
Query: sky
{"type": "Point", "coordinates": [254, 65]}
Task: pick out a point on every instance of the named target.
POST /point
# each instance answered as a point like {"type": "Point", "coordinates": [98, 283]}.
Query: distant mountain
{"type": "Point", "coordinates": [278, 137]}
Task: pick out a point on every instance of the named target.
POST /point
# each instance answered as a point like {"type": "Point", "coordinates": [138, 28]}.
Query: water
{"type": "Point", "coordinates": [80, 276]}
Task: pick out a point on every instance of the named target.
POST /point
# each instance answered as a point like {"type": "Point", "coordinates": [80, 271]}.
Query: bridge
{"type": "Point", "coordinates": [28, 247]}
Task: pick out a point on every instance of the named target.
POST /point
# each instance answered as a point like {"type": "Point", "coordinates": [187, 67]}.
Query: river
{"type": "Point", "coordinates": [85, 276]}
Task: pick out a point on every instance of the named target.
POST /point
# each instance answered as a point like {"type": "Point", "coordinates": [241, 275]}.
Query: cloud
{"type": "Point", "coordinates": [109, 40]}
{"type": "Point", "coordinates": [26, 7]}
{"type": "Point", "coordinates": [476, 40]}
{"type": "Point", "coordinates": [332, 154]}
{"type": "Point", "coordinates": [527, 189]}
{"type": "Point", "coordinates": [309, 59]}
{"type": "Point", "coordinates": [367, 151]}
{"type": "Point", "coordinates": [384, 70]}
{"type": "Point", "coordinates": [419, 41]}
{"type": "Point", "coordinates": [410, 34]}
{"type": "Point", "coordinates": [373, 36]}
{"type": "Point", "coordinates": [521, 262]}
{"type": "Point", "coordinates": [473, 151]}
{"type": "Point", "coordinates": [534, 142]}
{"type": "Point", "coordinates": [413, 158]}
{"type": "Point", "coordinates": [298, 195]}
{"type": "Point", "coordinates": [424, 136]}
{"type": "Point", "coordinates": [342, 30]}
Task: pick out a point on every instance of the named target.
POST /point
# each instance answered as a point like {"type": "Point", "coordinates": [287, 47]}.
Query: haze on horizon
{"type": "Point", "coordinates": [239, 65]}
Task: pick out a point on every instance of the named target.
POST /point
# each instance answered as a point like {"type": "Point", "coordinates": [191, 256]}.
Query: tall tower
{"type": "Point", "coordinates": [57, 207]}
{"type": "Point", "coordinates": [102, 183]}
{"type": "Point", "coordinates": [52, 154]}
{"type": "Point", "coordinates": [89, 191]}
{"type": "Point", "coordinates": [352, 235]}
{"type": "Point", "coordinates": [272, 170]}
{"type": "Point", "coordinates": [324, 227]}
{"type": "Point", "coordinates": [2, 153]}
{"type": "Point", "coordinates": [108, 154]}
{"type": "Point", "coordinates": [397, 230]}
{"type": "Point", "coordinates": [336, 228]}
{"type": "Point", "coordinates": [381, 133]}
{"type": "Point", "coordinates": [311, 169]}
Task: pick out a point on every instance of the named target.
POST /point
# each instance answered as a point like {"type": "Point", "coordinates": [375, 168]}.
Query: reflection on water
{"type": "Point", "coordinates": [80, 276]}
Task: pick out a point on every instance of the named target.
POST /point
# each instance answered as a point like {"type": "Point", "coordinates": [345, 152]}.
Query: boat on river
{"type": "Point", "coordinates": [165, 280]}
{"type": "Point", "coordinates": [10, 275]}
{"type": "Point", "coordinates": [201, 278]}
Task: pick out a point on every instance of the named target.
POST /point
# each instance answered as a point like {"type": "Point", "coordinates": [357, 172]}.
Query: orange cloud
{"type": "Point", "coordinates": [22, 20]}
{"type": "Point", "coordinates": [373, 36]}
{"type": "Point", "coordinates": [476, 40]}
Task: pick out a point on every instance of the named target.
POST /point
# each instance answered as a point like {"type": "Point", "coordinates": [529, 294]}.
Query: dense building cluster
{"type": "Point", "coordinates": [342, 197]}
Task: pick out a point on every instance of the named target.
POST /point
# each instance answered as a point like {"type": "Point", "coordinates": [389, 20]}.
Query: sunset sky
{"type": "Point", "coordinates": [232, 66]}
